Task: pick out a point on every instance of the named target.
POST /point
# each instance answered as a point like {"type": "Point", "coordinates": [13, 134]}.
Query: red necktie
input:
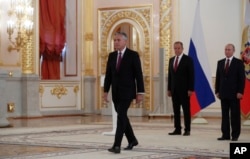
{"type": "Point", "coordinates": [227, 65]}
{"type": "Point", "coordinates": [176, 63]}
{"type": "Point", "coordinates": [119, 61]}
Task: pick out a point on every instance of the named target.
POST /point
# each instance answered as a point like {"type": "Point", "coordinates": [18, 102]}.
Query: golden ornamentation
{"type": "Point", "coordinates": [11, 107]}
{"type": "Point", "coordinates": [142, 16]}
{"type": "Point", "coordinates": [10, 73]}
{"type": "Point", "coordinates": [165, 30]}
{"type": "Point", "coordinates": [23, 23]}
{"type": "Point", "coordinates": [89, 37]}
{"type": "Point", "coordinates": [41, 89]}
{"type": "Point", "coordinates": [59, 90]}
{"type": "Point", "coordinates": [28, 57]}
{"type": "Point", "coordinates": [76, 89]}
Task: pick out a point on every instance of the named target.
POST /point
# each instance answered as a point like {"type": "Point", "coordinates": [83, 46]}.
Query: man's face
{"type": "Point", "coordinates": [119, 42]}
{"type": "Point", "coordinates": [178, 49]}
{"type": "Point", "coordinates": [229, 51]}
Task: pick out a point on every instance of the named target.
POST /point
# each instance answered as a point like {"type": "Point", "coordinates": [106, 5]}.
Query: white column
{"type": "Point", "coordinates": [3, 104]}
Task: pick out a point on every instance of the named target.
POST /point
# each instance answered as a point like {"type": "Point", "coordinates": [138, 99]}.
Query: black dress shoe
{"type": "Point", "coordinates": [223, 138]}
{"type": "Point", "coordinates": [186, 133]}
{"type": "Point", "coordinates": [234, 139]}
{"type": "Point", "coordinates": [131, 145]}
{"type": "Point", "coordinates": [115, 149]}
{"type": "Point", "coordinates": [175, 133]}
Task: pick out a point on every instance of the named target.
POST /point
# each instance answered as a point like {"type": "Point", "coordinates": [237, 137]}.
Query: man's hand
{"type": "Point", "coordinates": [239, 95]}
{"type": "Point", "coordinates": [169, 93]}
{"type": "Point", "coordinates": [105, 97]}
{"type": "Point", "coordinates": [190, 93]}
{"type": "Point", "coordinates": [139, 98]}
{"type": "Point", "coordinates": [217, 95]}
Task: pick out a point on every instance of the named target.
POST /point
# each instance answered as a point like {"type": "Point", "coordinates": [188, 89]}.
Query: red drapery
{"type": "Point", "coordinates": [52, 36]}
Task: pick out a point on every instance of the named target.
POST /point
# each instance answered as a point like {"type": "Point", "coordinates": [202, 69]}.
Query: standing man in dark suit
{"type": "Point", "coordinates": [180, 87]}
{"type": "Point", "coordinates": [229, 88]}
{"type": "Point", "coordinates": [126, 79]}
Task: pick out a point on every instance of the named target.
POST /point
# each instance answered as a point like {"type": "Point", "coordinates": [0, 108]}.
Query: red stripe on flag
{"type": "Point", "coordinates": [245, 101]}
{"type": "Point", "coordinates": [194, 104]}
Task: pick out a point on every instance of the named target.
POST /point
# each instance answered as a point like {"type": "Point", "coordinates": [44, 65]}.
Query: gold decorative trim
{"type": "Point", "coordinates": [28, 57]}
{"type": "Point", "coordinates": [165, 30]}
{"type": "Point", "coordinates": [76, 89]}
{"type": "Point", "coordinates": [59, 90]}
{"type": "Point", "coordinates": [89, 37]}
{"type": "Point", "coordinates": [88, 54]}
{"type": "Point", "coordinates": [41, 89]}
{"type": "Point", "coordinates": [11, 107]}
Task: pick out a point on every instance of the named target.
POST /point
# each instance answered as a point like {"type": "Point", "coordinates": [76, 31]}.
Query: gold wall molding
{"type": "Point", "coordinates": [11, 107]}
{"type": "Point", "coordinates": [24, 43]}
{"type": "Point", "coordinates": [41, 89]}
{"type": "Point", "coordinates": [166, 30]}
{"type": "Point", "coordinates": [60, 95]}
{"type": "Point", "coordinates": [59, 91]}
{"type": "Point", "coordinates": [88, 38]}
{"type": "Point", "coordinates": [28, 64]}
{"type": "Point", "coordinates": [139, 17]}
{"type": "Point", "coordinates": [76, 89]}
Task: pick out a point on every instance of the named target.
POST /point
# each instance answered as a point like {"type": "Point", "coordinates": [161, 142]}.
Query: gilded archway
{"type": "Point", "coordinates": [140, 18]}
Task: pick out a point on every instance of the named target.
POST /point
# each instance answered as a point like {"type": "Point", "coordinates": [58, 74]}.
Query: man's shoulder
{"type": "Point", "coordinates": [112, 53]}
{"type": "Point", "coordinates": [184, 56]}
{"type": "Point", "coordinates": [221, 60]}
{"type": "Point", "coordinates": [237, 59]}
{"type": "Point", "coordinates": [131, 51]}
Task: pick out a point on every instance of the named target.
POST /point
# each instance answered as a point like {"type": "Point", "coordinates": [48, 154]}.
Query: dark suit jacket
{"type": "Point", "coordinates": [231, 83]}
{"type": "Point", "coordinates": [183, 79]}
{"type": "Point", "coordinates": [128, 80]}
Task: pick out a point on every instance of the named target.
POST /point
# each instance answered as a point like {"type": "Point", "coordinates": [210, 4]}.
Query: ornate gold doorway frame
{"type": "Point", "coordinates": [141, 19]}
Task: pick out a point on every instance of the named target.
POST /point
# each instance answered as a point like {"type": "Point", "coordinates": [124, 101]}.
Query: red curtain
{"type": "Point", "coordinates": [52, 36]}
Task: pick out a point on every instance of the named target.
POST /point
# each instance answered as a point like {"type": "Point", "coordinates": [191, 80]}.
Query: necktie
{"type": "Point", "coordinates": [227, 65]}
{"type": "Point", "coordinates": [119, 61]}
{"type": "Point", "coordinates": [176, 63]}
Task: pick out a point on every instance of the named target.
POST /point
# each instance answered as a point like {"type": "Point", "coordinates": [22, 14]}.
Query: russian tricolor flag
{"type": "Point", "coordinates": [203, 95]}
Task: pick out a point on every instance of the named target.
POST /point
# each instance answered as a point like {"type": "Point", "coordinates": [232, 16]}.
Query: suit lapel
{"type": "Point", "coordinates": [231, 65]}
{"type": "Point", "coordinates": [181, 61]}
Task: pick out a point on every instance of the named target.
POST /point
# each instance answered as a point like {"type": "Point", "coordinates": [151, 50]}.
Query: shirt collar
{"type": "Point", "coordinates": [180, 56]}
{"type": "Point", "coordinates": [123, 50]}
{"type": "Point", "coordinates": [230, 58]}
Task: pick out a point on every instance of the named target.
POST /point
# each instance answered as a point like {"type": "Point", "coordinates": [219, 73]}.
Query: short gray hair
{"type": "Point", "coordinates": [124, 35]}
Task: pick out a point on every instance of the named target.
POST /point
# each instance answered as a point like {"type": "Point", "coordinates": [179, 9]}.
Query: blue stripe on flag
{"type": "Point", "coordinates": [202, 88]}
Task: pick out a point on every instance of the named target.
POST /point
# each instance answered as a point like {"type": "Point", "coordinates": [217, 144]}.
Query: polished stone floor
{"type": "Point", "coordinates": [83, 137]}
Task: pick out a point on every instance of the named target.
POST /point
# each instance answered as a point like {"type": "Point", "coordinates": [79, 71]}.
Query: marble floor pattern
{"type": "Point", "coordinates": [81, 137]}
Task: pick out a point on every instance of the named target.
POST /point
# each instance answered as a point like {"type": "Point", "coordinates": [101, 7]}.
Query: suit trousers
{"type": "Point", "coordinates": [123, 123]}
{"type": "Point", "coordinates": [180, 100]}
{"type": "Point", "coordinates": [230, 109]}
